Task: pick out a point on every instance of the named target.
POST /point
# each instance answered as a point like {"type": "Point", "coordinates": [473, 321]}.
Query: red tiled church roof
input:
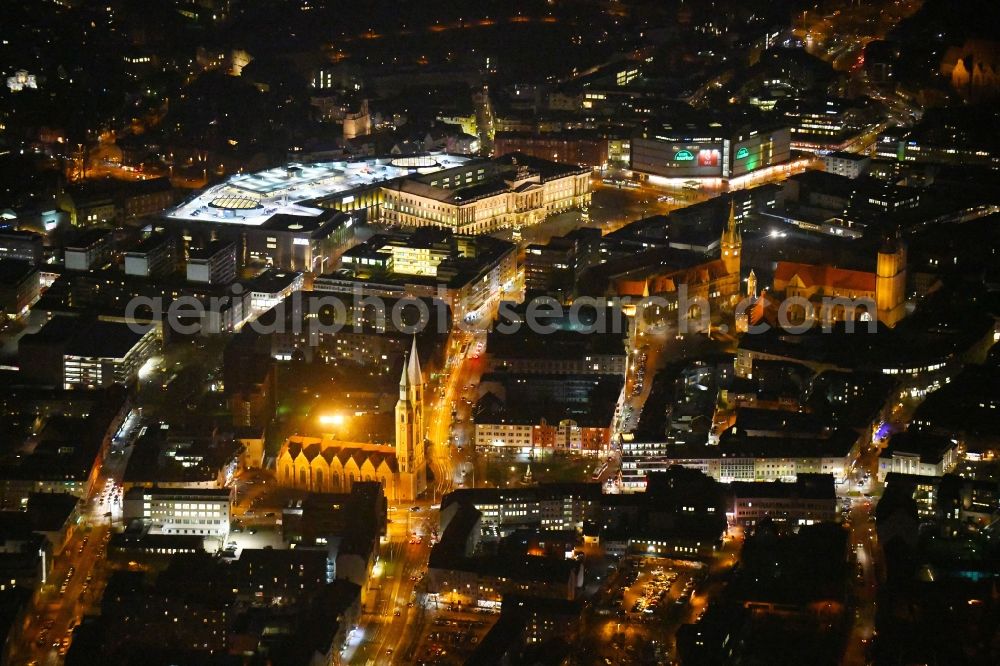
{"type": "Point", "coordinates": [826, 276]}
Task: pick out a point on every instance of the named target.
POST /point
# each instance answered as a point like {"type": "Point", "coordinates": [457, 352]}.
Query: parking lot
{"type": "Point", "coordinates": [451, 638]}
{"type": "Point", "coordinates": [659, 589]}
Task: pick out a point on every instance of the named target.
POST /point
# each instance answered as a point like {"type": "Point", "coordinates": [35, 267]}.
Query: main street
{"type": "Point", "coordinates": [392, 622]}
{"type": "Point", "coordinates": [865, 548]}
{"type": "Point", "coordinates": [79, 571]}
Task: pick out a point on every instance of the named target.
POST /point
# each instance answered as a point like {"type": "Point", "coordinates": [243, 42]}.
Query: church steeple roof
{"type": "Point", "coordinates": [412, 375]}
{"type": "Point", "coordinates": [404, 380]}
{"type": "Point", "coordinates": [732, 233]}
{"type": "Point", "coordinates": [416, 376]}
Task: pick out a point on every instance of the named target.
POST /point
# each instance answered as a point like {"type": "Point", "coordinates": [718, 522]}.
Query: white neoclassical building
{"type": "Point", "coordinates": [482, 196]}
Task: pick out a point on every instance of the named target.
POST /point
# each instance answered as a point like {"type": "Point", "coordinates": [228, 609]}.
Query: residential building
{"type": "Point", "coordinates": [272, 287]}
{"type": "Point", "coordinates": [111, 201]}
{"type": "Point", "coordinates": [583, 147]}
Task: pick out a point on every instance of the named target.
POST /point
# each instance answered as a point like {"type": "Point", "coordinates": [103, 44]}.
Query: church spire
{"type": "Point", "coordinates": [732, 232]}
{"type": "Point", "coordinates": [731, 242]}
{"type": "Point", "coordinates": [411, 368]}
{"type": "Point", "coordinates": [412, 371]}
{"type": "Point", "coordinates": [404, 380]}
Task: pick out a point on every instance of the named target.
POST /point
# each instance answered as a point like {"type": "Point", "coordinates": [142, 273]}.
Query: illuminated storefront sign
{"type": "Point", "coordinates": [683, 156]}
{"type": "Point", "coordinates": [742, 153]}
{"type": "Point", "coordinates": [708, 157]}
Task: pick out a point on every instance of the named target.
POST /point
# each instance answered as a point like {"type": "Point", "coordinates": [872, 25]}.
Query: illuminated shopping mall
{"type": "Point", "coordinates": [295, 189]}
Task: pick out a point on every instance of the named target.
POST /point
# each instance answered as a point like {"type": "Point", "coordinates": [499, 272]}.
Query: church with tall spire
{"type": "Point", "coordinates": [731, 243]}
{"type": "Point", "coordinates": [410, 453]}
{"type": "Point", "coordinates": [715, 281]}
{"type": "Point", "coordinates": [329, 464]}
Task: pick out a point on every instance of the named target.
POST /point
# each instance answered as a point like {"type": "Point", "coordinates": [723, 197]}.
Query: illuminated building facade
{"type": "Point", "coordinates": [713, 151]}
{"type": "Point", "coordinates": [851, 165]}
{"type": "Point", "coordinates": [22, 245]}
{"type": "Point", "coordinates": [483, 196]}
{"type": "Point", "coordinates": [823, 124]}
{"type": "Point", "coordinates": [549, 506]}
{"type": "Point", "coordinates": [326, 464]}
{"type": "Point", "coordinates": [811, 498]}
{"type": "Point", "coordinates": [838, 294]}
{"type": "Point", "coordinates": [467, 272]}
{"type": "Point", "coordinates": [583, 147]}
{"type": "Point", "coordinates": [204, 512]}
{"type": "Point", "coordinates": [763, 459]}
{"type": "Point", "coordinates": [107, 353]}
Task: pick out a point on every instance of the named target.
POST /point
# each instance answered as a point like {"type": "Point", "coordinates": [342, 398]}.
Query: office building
{"type": "Point", "coordinates": [549, 506]}
{"type": "Point", "coordinates": [545, 413]}
{"type": "Point", "coordinates": [810, 499]}
{"type": "Point", "coordinates": [272, 287]}
{"type": "Point", "coordinates": [73, 353]}
{"type": "Point", "coordinates": [108, 294]}
{"type": "Point", "coordinates": [296, 243]}
{"type": "Point", "coordinates": [564, 350]}
{"type": "Point", "coordinates": [213, 264]}
{"type": "Point", "coordinates": [171, 459]}
{"type": "Point", "coordinates": [19, 287]}
{"type": "Point", "coordinates": [752, 459]}
{"type": "Point", "coordinates": [470, 273]}
{"type": "Point", "coordinates": [203, 512]}
{"type": "Point", "coordinates": [851, 165]}
{"type": "Point", "coordinates": [824, 124]}
{"type": "Point", "coordinates": [108, 353]}
{"type": "Point", "coordinates": [154, 256]}
{"type": "Point", "coordinates": [548, 268]}
{"type": "Point", "coordinates": [91, 249]}
{"type": "Point", "coordinates": [22, 245]}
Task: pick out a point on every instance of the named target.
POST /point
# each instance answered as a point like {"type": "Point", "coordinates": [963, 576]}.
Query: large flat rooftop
{"type": "Point", "coordinates": [253, 199]}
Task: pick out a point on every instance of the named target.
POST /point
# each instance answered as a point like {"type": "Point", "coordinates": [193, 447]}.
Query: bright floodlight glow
{"type": "Point", "coordinates": [332, 419]}
{"type": "Point", "coordinates": [147, 368]}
